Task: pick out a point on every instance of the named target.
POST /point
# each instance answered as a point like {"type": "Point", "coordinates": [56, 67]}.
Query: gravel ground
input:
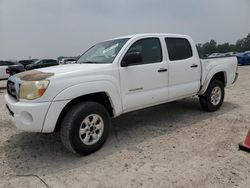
{"type": "Point", "coordinates": [171, 145]}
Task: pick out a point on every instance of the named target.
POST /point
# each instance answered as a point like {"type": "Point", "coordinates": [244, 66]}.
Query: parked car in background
{"type": "Point", "coordinates": [68, 61]}
{"type": "Point", "coordinates": [16, 68]}
{"type": "Point", "coordinates": [216, 55]}
{"type": "Point", "coordinates": [27, 62]}
{"type": "Point", "coordinates": [230, 53]}
{"type": "Point", "coordinates": [3, 70]}
{"type": "Point", "coordinates": [227, 54]}
{"type": "Point", "coordinates": [8, 68]}
{"type": "Point", "coordinates": [42, 63]}
{"type": "Point", "coordinates": [243, 58]}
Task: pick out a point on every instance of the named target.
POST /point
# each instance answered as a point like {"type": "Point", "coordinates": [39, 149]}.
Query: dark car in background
{"type": "Point", "coordinates": [11, 68]}
{"type": "Point", "coordinates": [15, 68]}
{"type": "Point", "coordinates": [27, 62]}
{"type": "Point", "coordinates": [42, 63]}
{"type": "Point", "coordinates": [243, 58]}
{"type": "Point", "coordinates": [8, 68]}
{"type": "Point", "coordinates": [68, 60]}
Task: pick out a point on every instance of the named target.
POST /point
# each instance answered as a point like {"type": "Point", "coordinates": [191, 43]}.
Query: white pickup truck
{"type": "Point", "coordinates": [112, 78]}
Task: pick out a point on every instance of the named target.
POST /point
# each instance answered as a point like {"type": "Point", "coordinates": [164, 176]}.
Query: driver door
{"type": "Point", "coordinates": [144, 83]}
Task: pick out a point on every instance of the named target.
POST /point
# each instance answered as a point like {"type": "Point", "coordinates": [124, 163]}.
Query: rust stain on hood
{"type": "Point", "coordinates": [34, 75]}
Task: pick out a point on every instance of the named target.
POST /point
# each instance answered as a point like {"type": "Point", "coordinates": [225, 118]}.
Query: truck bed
{"type": "Point", "coordinates": [227, 65]}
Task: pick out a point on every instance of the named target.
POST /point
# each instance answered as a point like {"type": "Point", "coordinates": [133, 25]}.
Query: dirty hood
{"type": "Point", "coordinates": [58, 71]}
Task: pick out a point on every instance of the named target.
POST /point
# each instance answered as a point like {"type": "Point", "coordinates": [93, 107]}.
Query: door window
{"type": "Point", "coordinates": [178, 48]}
{"type": "Point", "coordinates": [150, 50]}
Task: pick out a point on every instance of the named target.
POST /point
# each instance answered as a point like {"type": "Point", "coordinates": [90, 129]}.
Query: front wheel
{"type": "Point", "coordinates": [85, 128]}
{"type": "Point", "coordinates": [213, 98]}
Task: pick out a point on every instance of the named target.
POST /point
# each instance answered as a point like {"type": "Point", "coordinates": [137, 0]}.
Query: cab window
{"type": "Point", "coordinates": [178, 48]}
{"type": "Point", "coordinates": [149, 48]}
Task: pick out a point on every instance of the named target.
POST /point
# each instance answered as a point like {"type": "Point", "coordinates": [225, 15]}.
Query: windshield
{"type": "Point", "coordinates": [104, 52]}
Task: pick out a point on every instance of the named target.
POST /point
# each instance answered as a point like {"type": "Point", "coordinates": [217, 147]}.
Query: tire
{"type": "Point", "coordinates": [82, 117]}
{"type": "Point", "coordinates": [213, 98]}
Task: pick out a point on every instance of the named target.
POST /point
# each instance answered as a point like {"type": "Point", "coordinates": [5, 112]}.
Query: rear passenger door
{"type": "Point", "coordinates": [184, 68]}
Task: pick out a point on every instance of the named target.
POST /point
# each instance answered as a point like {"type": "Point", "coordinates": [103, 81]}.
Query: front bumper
{"type": "Point", "coordinates": [27, 116]}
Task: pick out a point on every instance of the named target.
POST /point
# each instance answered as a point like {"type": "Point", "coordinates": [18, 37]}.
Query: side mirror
{"type": "Point", "coordinates": [131, 58]}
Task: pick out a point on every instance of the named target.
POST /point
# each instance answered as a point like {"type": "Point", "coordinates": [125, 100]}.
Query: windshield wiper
{"type": "Point", "coordinates": [88, 62]}
{"type": "Point", "coordinates": [93, 62]}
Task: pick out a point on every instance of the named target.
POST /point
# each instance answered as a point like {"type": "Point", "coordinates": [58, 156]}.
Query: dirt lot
{"type": "Point", "coordinates": [171, 145]}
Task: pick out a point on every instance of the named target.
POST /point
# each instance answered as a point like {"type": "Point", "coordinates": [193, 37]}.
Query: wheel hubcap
{"type": "Point", "coordinates": [91, 129]}
{"type": "Point", "coordinates": [216, 95]}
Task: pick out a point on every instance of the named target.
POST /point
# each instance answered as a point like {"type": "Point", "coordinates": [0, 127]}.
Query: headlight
{"type": "Point", "coordinates": [33, 89]}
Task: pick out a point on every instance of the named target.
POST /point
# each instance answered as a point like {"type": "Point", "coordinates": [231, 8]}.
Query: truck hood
{"type": "Point", "coordinates": [60, 71]}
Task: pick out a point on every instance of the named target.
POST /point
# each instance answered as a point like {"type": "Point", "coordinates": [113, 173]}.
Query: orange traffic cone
{"type": "Point", "coordinates": [245, 146]}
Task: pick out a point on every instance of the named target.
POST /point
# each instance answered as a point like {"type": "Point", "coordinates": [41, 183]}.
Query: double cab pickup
{"type": "Point", "coordinates": [111, 78]}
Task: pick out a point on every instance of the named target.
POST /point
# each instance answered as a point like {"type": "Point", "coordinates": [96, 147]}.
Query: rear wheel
{"type": "Point", "coordinates": [85, 128]}
{"type": "Point", "coordinates": [213, 98]}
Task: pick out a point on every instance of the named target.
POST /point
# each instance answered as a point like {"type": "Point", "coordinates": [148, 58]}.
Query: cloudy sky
{"type": "Point", "coordinates": [50, 28]}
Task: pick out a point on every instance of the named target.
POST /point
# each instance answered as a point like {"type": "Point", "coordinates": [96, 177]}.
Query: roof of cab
{"type": "Point", "coordinates": [151, 34]}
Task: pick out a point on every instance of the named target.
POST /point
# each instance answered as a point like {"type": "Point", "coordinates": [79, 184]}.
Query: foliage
{"type": "Point", "coordinates": [212, 46]}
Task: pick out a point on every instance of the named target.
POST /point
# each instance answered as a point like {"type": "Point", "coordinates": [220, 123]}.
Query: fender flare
{"type": "Point", "coordinates": [209, 77]}
{"type": "Point", "coordinates": [86, 88]}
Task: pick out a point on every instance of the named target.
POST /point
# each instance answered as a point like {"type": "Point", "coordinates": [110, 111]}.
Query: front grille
{"type": "Point", "coordinates": [11, 89]}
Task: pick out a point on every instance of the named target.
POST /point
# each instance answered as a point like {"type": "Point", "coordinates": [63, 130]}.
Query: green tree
{"type": "Point", "coordinates": [211, 47]}
{"type": "Point", "coordinates": [223, 48]}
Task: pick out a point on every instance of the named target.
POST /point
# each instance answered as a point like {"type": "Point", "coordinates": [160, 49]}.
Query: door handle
{"type": "Point", "coordinates": [194, 66]}
{"type": "Point", "coordinates": [162, 70]}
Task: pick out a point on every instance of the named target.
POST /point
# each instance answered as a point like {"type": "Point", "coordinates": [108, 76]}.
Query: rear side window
{"type": "Point", "coordinates": [178, 48]}
{"type": "Point", "coordinates": [149, 48]}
